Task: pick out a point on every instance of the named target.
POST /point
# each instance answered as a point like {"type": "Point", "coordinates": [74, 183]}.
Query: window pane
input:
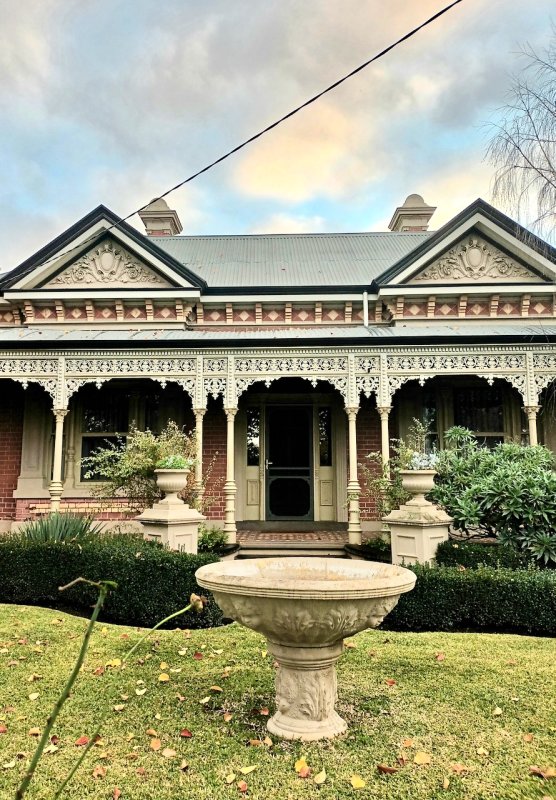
{"type": "Point", "coordinates": [88, 446]}
{"type": "Point", "coordinates": [253, 436]}
{"type": "Point", "coordinates": [429, 418]}
{"type": "Point", "coordinates": [479, 409]}
{"type": "Point", "coordinates": [325, 437]}
{"type": "Point", "coordinates": [107, 412]}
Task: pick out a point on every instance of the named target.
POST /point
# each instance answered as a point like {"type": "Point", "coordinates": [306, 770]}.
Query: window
{"type": "Point", "coordinates": [481, 409]}
{"type": "Point", "coordinates": [104, 417]}
{"type": "Point", "coordinates": [325, 437]}
{"type": "Point", "coordinates": [429, 417]}
{"type": "Point", "coordinates": [253, 436]}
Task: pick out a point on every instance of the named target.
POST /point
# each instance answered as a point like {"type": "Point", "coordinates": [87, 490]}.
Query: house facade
{"type": "Point", "coordinates": [293, 356]}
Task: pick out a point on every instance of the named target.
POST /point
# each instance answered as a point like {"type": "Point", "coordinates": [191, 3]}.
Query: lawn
{"type": "Point", "coordinates": [481, 707]}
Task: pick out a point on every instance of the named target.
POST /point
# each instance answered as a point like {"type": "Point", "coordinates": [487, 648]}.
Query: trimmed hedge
{"type": "Point", "coordinates": [152, 582]}
{"type": "Point", "coordinates": [472, 554]}
{"type": "Point", "coordinates": [452, 598]}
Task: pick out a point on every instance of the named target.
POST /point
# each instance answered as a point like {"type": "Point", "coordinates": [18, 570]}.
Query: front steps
{"type": "Point", "coordinates": [279, 549]}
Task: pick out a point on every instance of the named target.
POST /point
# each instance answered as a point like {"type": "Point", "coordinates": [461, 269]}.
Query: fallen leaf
{"type": "Point", "coordinates": [300, 763]}
{"type": "Point", "coordinates": [304, 772]}
{"type": "Point", "coordinates": [99, 772]}
{"type": "Point", "coordinates": [357, 782]}
{"type": "Point", "coordinates": [481, 751]}
{"type": "Point", "coordinates": [390, 682]}
{"type": "Point", "coordinates": [140, 692]}
{"type": "Point", "coordinates": [168, 752]}
{"type": "Point", "coordinates": [446, 783]}
{"type": "Point", "coordinates": [350, 645]}
{"type": "Point", "coordinates": [3, 729]}
{"type": "Point", "coordinates": [141, 771]}
{"type": "Point", "coordinates": [204, 700]}
{"type": "Point", "coordinates": [197, 655]}
{"type": "Point", "coordinates": [528, 737]}
{"type": "Point", "coordinates": [247, 770]}
{"type": "Point", "coordinates": [83, 740]}
{"type": "Point", "coordinates": [156, 744]}
{"type": "Point", "coordinates": [421, 758]}
{"type": "Point", "coordinates": [185, 733]}
{"type": "Point", "coordinates": [151, 732]}
{"type": "Point", "coordinates": [116, 794]}
{"type": "Point", "coordinates": [33, 696]}
{"type": "Point", "coordinates": [268, 741]}
{"type": "Point", "coordinates": [407, 743]}
{"type": "Point", "coordinates": [543, 772]}
{"type": "Point", "coordinates": [50, 748]}
{"type": "Point", "coordinates": [255, 743]}
{"type": "Point", "coordinates": [320, 777]}
{"type": "Point", "coordinates": [264, 712]}
{"type": "Point", "coordinates": [8, 765]}
{"type": "Point", "coordinates": [119, 707]}
{"type": "Point", "coordinates": [34, 677]}
{"type": "Point", "coordinates": [227, 716]}
{"type": "Point", "coordinates": [216, 689]}
{"type": "Point", "coordinates": [385, 769]}
{"type": "Point", "coordinates": [158, 716]}
{"type": "Point", "coordinates": [163, 677]}
{"type": "Point", "coordinates": [439, 656]}
{"type": "Point", "coordinates": [34, 732]}
{"type": "Point", "coordinates": [459, 769]}
{"type": "Point", "coordinates": [497, 712]}
{"type": "Point", "coordinates": [180, 697]}
{"type": "Point", "coordinates": [183, 651]}
{"type": "Point", "coordinates": [242, 786]}
{"type": "Point", "coordinates": [163, 666]}
{"type": "Point", "coordinates": [230, 778]}
{"type": "Point", "coordinates": [184, 765]}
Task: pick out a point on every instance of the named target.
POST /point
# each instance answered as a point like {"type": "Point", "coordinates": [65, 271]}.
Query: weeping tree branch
{"type": "Point", "coordinates": [522, 146]}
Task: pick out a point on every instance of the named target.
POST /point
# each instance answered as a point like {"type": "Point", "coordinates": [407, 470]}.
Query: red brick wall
{"type": "Point", "coordinates": [214, 447]}
{"type": "Point", "coordinates": [368, 440]}
{"type": "Point", "coordinates": [11, 432]}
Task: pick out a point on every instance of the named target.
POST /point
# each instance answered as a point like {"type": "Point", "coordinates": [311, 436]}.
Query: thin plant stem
{"type": "Point", "coordinates": [92, 739]}
{"type": "Point", "coordinates": [103, 587]}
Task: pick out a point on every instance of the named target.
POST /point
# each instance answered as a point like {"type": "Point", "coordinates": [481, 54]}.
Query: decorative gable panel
{"type": "Point", "coordinates": [107, 265]}
{"type": "Point", "coordinates": [475, 260]}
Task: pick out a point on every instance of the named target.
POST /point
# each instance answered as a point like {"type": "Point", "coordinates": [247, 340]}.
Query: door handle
{"type": "Point", "coordinates": [267, 463]}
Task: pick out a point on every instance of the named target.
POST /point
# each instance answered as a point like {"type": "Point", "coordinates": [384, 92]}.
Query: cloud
{"type": "Point", "coordinates": [289, 223]}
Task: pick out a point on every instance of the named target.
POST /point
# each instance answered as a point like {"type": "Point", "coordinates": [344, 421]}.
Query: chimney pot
{"type": "Point", "coordinates": [413, 215]}
{"type": "Point", "coordinates": [159, 219]}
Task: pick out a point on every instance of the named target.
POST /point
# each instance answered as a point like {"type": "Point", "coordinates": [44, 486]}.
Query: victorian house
{"type": "Point", "coordinates": [292, 355]}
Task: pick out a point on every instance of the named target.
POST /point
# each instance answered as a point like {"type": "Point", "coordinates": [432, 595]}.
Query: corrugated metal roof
{"type": "Point", "coordinates": [303, 259]}
{"type": "Point", "coordinates": [177, 337]}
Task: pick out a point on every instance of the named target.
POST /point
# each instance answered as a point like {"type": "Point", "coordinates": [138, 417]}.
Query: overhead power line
{"type": "Point", "coordinates": [273, 125]}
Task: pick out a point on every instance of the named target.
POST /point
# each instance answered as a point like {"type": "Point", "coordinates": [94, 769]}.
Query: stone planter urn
{"type": "Point", "coordinates": [305, 607]}
{"type": "Point", "coordinates": [171, 521]}
{"type": "Point", "coordinates": [417, 527]}
{"type": "Point", "coordinates": [171, 482]}
{"type": "Point", "coordinates": [418, 482]}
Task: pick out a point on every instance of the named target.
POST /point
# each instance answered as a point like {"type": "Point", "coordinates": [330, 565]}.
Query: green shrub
{"type": "Point", "coordinates": [508, 492]}
{"type": "Point", "coordinates": [473, 554]}
{"type": "Point", "coordinates": [60, 527]}
{"type": "Point", "coordinates": [212, 540]}
{"type": "Point", "coordinates": [377, 550]}
{"type": "Point", "coordinates": [452, 598]}
{"type": "Point", "coordinates": [152, 581]}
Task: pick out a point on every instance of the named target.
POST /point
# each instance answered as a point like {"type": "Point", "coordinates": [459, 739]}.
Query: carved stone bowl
{"type": "Point", "coordinates": [305, 607]}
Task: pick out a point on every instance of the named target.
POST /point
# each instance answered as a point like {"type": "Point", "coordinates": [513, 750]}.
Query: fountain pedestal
{"type": "Point", "coordinates": [305, 607]}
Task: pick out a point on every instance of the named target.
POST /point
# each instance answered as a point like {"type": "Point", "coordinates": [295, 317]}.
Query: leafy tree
{"type": "Point", "coordinates": [523, 144]}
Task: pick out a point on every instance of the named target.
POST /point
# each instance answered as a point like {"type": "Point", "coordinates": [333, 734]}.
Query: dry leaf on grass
{"type": "Point", "coordinates": [421, 758]}
{"type": "Point", "coordinates": [320, 777]}
{"type": "Point", "coordinates": [384, 769]}
{"type": "Point", "coordinates": [357, 782]}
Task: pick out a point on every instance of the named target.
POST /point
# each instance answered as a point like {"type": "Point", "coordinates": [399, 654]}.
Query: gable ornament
{"type": "Point", "coordinates": [107, 263]}
{"type": "Point", "coordinates": [474, 259]}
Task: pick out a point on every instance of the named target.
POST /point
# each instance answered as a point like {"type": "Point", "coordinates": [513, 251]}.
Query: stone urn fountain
{"type": "Point", "coordinates": [305, 607]}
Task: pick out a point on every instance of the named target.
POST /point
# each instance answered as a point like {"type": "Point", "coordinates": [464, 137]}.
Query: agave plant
{"type": "Point", "coordinates": [60, 527]}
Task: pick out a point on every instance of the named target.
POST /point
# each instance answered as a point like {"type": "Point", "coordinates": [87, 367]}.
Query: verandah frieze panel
{"type": "Point", "coordinates": [352, 371]}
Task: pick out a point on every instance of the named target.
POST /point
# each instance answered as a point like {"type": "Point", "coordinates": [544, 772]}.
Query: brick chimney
{"type": "Point", "coordinates": [160, 220]}
{"type": "Point", "coordinates": [414, 215]}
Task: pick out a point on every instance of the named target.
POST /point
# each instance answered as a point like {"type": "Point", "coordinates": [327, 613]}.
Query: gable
{"type": "Point", "coordinates": [473, 259]}
{"type": "Point", "coordinates": [107, 265]}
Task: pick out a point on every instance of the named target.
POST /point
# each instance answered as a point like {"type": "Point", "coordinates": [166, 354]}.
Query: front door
{"type": "Point", "coordinates": [289, 448]}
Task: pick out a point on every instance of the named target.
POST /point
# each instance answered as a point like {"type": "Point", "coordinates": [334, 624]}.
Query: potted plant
{"type": "Point", "coordinates": [418, 476]}
{"type": "Point", "coordinates": [171, 475]}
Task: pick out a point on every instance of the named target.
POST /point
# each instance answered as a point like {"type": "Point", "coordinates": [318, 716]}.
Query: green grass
{"type": "Point", "coordinates": [445, 707]}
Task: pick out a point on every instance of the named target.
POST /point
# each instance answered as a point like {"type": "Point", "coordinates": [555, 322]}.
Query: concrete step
{"type": "Point", "coordinates": [277, 549]}
{"type": "Point", "coordinates": [281, 553]}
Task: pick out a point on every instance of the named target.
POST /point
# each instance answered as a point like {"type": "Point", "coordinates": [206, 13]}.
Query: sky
{"type": "Point", "coordinates": [114, 101]}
